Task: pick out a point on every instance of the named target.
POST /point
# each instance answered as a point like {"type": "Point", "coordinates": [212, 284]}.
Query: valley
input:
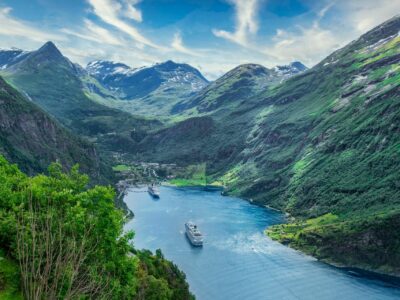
{"type": "Point", "coordinates": [319, 144]}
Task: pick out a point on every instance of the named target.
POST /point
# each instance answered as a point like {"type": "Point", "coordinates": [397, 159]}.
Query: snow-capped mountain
{"type": "Point", "coordinates": [132, 83]}
{"type": "Point", "coordinates": [11, 56]}
{"type": "Point", "coordinates": [103, 69]}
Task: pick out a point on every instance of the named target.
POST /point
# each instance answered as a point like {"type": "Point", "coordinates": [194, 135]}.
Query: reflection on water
{"type": "Point", "coordinates": [238, 261]}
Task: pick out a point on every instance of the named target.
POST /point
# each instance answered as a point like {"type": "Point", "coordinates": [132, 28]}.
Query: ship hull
{"type": "Point", "coordinates": [153, 192]}
{"type": "Point", "coordinates": [154, 195]}
{"type": "Point", "coordinates": [193, 241]}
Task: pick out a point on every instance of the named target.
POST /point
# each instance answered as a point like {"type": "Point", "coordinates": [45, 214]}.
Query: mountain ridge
{"type": "Point", "coordinates": [150, 90]}
{"type": "Point", "coordinates": [55, 84]}
{"type": "Point", "coordinates": [240, 83]}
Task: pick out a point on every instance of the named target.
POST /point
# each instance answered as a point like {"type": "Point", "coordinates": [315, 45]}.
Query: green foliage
{"type": "Point", "coordinates": [192, 175]}
{"type": "Point", "coordinates": [9, 279]}
{"type": "Point", "coordinates": [121, 168]}
{"type": "Point", "coordinates": [69, 240]}
{"type": "Point", "coordinates": [160, 279]}
{"type": "Point", "coordinates": [370, 242]}
{"type": "Point", "coordinates": [82, 221]}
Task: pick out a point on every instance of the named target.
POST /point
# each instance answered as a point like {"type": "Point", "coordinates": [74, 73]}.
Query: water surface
{"type": "Point", "coordinates": [238, 261]}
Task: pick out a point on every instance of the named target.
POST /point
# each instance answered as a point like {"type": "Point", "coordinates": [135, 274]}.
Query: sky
{"type": "Point", "coordinates": [211, 35]}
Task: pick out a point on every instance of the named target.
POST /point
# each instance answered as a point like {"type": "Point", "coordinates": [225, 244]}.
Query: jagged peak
{"type": "Point", "coordinates": [298, 65]}
{"type": "Point", "coordinates": [50, 47]}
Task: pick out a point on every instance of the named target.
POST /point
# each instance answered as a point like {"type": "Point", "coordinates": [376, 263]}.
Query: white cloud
{"type": "Point", "coordinates": [13, 27]}
{"type": "Point", "coordinates": [177, 45]}
{"type": "Point", "coordinates": [95, 33]}
{"type": "Point", "coordinates": [363, 15]}
{"type": "Point", "coordinates": [246, 22]}
{"type": "Point", "coordinates": [131, 11]}
{"type": "Point", "coordinates": [306, 44]}
{"type": "Point", "coordinates": [113, 34]}
{"type": "Point", "coordinates": [111, 12]}
{"type": "Point", "coordinates": [321, 13]}
{"type": "Point", "coordinates": [310, 44]}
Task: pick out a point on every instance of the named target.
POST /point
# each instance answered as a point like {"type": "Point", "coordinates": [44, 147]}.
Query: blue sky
{"type": "Point", "coordinates": [212, 35]}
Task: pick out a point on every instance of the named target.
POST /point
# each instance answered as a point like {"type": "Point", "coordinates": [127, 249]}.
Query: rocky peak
{"type": "Point", "coordinates": [291, 69]}
{"type": "Point", "coordinates": [101, 68]}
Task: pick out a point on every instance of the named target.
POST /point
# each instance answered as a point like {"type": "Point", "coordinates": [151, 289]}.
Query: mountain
{"type": "Point", "coordinates": [33, 140]}
{"type": "Point", "coordinates": [236, 86]}
{"type": "Point", "coordinates": [148, 90]}
{"type": "Point", "coordinates": [322, 145]}
{"type": "Point", "coordinates": [294, 68]}
{"type": "Point", "coordinates": [54, 83]}
{"type": "Point", "coordinates": [10, 56]}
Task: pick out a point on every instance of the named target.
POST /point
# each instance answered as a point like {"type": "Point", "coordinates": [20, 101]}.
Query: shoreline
{"type": "Point", "coordinates": [208, 186]}
{"type": "Point", "coordinates": [363, 271]}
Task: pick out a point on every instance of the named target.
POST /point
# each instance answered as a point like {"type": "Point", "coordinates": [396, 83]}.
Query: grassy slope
{"type": "Point", "coordinates": [192, 175]}
{"type": "Point", "coordinates": [227, 92]}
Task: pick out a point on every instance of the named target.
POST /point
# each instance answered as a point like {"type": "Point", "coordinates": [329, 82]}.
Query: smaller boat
{"type": "Point", "coordinates": [193, 234]}
{"type": "Point", "coordinates": [153, 191]}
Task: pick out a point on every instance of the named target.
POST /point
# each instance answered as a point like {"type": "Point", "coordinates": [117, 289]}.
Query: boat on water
{"type": "Point", "coordinates": [194, 235]}
{"type": "Point", "coordinates": [153, 191]}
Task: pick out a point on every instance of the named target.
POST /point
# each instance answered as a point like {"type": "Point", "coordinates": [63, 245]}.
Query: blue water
{"type": "Point", "coordinates": [238, 261]}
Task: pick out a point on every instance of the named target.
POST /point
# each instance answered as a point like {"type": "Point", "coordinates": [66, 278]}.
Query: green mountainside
{"type": "Point", "coordinates": [324, 143]}
{"type": "Point", "coordinates": [53, 82]}
{"type": "Point", "coordinates": [239, 84]}
{"type": "Point", "coordinates": [32, 139]}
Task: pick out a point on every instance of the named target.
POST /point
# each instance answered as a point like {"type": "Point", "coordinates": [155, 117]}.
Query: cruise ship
{"type": "Point", "coordinates": [193, 234]}
{"type": "Point", "coordinates": [153, 191]}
